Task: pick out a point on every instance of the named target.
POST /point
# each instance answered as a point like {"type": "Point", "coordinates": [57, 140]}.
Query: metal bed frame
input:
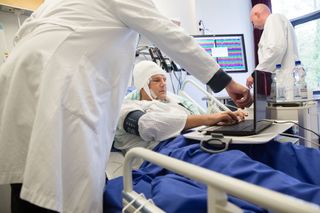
{"type": "Point", "coordinates": [219, 186]}
{"type": "Point", "coordinates": [214, 105]}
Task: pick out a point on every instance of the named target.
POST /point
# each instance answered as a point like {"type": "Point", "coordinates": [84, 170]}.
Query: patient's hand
{"type": "Point", "coordinates": [241, 114]}
{"type": "Point", "coordinates": [230, 118]}
{"type": "Point", "coordinates": [220, 118]}
{"type": "Point", "coordinates": [223, 118]}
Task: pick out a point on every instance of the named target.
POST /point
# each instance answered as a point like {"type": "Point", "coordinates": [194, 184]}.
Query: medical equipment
{"type": "Point", "coordinates": [307, 116]}
{"type": "Point", "coordinates": [227, 49]}
{"type": "Point", "coordinates": [159, 59]}
{"type": "Point", "coordinates": [130, 124]}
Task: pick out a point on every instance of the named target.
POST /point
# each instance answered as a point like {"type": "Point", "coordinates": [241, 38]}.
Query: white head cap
{"type": "Point", "coordinates": [142, 73]}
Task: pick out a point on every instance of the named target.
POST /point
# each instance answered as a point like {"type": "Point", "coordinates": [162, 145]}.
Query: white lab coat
{"type": "Point", "coordinates": [278, 45]}
{"type": "Point", "coordinates": [61, 90]}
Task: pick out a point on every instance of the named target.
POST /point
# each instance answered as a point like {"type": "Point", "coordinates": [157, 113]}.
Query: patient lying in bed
{"type": "Point", "coordinates": [283, 167]}
{"type": "Point", "coordinates": [152, 115]}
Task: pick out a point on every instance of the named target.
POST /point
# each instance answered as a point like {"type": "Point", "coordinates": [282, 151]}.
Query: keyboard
{"type": "Point", "coordinates": [244, 125]}
{"type": "Point", "coordinates": [243, 128]}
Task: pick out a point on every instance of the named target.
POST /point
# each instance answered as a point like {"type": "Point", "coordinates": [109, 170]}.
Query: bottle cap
{"type": "Point", "coordinates": [278, 66]}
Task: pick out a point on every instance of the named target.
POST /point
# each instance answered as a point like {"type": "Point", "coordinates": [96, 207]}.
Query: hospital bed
{"type": "Point", "coordinates": [214, 105]}
{"type": "Point", "coordinates": [219, 185]}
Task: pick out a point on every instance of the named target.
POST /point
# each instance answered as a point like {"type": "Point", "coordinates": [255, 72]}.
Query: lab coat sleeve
{"type": "Point", "coordinates": [143, 17]}
{"type": "Point", "coordinates": [273, 44]}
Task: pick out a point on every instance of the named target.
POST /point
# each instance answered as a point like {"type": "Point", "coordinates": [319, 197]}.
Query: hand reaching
{"type": "Point", "coordinates": [239, 94]}
{"type": "Point", "coordinates": [250, 82]}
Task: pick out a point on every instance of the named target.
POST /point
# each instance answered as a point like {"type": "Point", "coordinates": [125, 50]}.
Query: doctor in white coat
{"type": "Point", "coordinates": [277, 44]}
{"type": "Point", "coordinates": [61, 89]}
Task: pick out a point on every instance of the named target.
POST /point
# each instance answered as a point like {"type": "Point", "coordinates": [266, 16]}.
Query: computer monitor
{"type": "Point", "coordinates": [227, 49]}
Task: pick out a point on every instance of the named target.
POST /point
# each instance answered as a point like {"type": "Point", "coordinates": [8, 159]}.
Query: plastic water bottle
{"type": "Point", "coordinates": [278, 91]}
{"type": "Point", "coordinates": [296, 82]}
{"type": "Point", "coordinates": [273, 92]}
{"type": "Point", "coordinates": [300, 85]}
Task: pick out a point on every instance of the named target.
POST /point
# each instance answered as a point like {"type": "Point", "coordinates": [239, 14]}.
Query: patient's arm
{"type": "Point", "coordinates": [159, 121]}
{"type": "Point", "coordinates": [156, 121]}
{"type": "Point", "coordinates": [221, 118]}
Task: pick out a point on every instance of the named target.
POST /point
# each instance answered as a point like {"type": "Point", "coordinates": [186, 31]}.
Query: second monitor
{"type": "Point", "coordinates": [227, 49]}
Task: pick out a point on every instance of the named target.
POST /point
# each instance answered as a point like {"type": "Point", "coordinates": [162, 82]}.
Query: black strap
{"type": "Point", "coordinates": [130, 123]}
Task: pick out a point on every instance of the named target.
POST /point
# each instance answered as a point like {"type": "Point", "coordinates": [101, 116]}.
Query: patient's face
{"type": "Point", "coordinates": [158, 84]}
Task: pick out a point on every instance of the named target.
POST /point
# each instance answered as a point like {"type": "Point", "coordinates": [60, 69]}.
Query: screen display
{"type": "Point", "coordinates": [228, 50]}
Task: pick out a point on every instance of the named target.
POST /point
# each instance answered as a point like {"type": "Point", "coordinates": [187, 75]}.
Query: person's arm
{"type": "Point", "coordinates": [152, 121]}
{"type": "Point", "coordinates": [143, 17]}
{"type": "Point", "coordinates": [250, 80]}
{"type": "Point", "coordinates": [239, 94]}
{"type": "Point", "coordinates": [221, 118]}
{"type": "Point", "coordinates": [161, 123]}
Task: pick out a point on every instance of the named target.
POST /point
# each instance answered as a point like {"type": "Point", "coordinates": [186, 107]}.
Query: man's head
{"type": "Point", "coordinates": [259, 14]}
{"type": "Point", "coordinates": [150, 80]}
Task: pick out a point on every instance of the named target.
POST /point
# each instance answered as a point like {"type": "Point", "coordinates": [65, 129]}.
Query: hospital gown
{"type": "Point", "coordinates": [169, 117]}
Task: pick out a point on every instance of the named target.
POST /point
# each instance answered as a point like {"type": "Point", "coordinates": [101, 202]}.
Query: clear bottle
{"type": "Point", "coordinates": [278, 92]}
{"type": "Point", "coordinates": [281, 89]}
{"type": "Point", "coordinates": [301, 83]}
{"type": "Point", "coordinates": [296, 82]}
{"type": "Point", "coordinates": [273, 92]}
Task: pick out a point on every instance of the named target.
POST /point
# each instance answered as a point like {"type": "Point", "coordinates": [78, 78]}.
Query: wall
{"type": "Point", "coordinates": [9, 22]}
{"type": "Point", "coordinates": [229, 17]}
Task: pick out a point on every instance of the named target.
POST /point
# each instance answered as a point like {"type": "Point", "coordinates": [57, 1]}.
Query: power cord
{"type": "Point", "coordinates": [298, 136]}
{"type": "Point", "coordinates": [283, 122]}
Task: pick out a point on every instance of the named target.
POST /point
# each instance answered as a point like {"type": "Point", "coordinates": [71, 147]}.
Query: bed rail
{"type": "Point", "coordinates": [219, 186]}
{"type": "Point", "coordinates": [214, 105]}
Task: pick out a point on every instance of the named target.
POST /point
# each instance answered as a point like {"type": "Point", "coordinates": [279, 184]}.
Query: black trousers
{"type": "Point", "coordinates": [20, 206]}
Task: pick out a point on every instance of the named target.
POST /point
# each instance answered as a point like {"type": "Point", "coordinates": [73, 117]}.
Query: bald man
{"type": "Point", "coordinates": [277, 44]}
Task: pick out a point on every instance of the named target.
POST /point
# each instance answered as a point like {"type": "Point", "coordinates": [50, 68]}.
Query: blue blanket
{"type": "Point", "coordinates": [283, 167]}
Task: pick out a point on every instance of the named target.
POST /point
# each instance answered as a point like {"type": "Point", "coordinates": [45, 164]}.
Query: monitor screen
{"type": "Point", "coordinates": [228, 50]}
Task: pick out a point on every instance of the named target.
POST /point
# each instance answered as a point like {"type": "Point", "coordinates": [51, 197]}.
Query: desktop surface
{"type": "Point", "coordinates": [264, 136]}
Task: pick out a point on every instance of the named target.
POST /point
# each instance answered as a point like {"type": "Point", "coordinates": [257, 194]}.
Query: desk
{"type": "Point", "coordinates": [306, 115]}
{"type": "Point", "coordinates": [263, 137]}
